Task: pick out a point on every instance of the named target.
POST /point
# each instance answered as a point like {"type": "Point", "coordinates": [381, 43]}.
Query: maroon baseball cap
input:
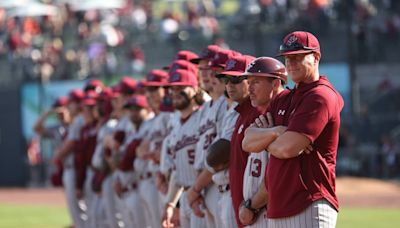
{"type": "Point", "coordinates": [127, 85]}
{"type": "Point", "coordinates": [299, 42]}
{"type": "Point", "coordinates": [183, 77]}
{"type": "Point", "coordinates": [236, 65]}
{"type": "Point", "coordinates": [186, 55]}
{"type": "Point", "coordinates": [137, 101]}
{"type": "Point", "coordinates": [95, 85]}
{"type": "Point", "coordinates": [266, 67]}
{"type": "Point", "coordinates": [184, 65]}
{"type": "Point", "coordinates": [60, 102]}
{"type": "Point", "coordinates": [156, 78]}
{"type": "Point", "coordinates": [207, 54]}
{"type": "Point", "coordinates": [76, 95]}
{"type": "Point", "coordinates": [90, 98]}
{"type": "Point", "coordinates": [106, 94]}
{"type": "Point", "coordinates": [221, 57]}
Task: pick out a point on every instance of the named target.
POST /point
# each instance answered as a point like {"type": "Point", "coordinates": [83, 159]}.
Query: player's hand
{"type": "Point", "coordinates": [143, 149]}
{"type": "Point", "coordinates": [246, 216]}
{"type": "Point", "coordinates": [197, 206]}
{"type": "Point", "coordinates": [161, 183]}
{"type": "Point", "coordinates": [264, 121]}
{"type": "Point", "coordinates": [192, 195]}
{"type": "Point", "coordinates": [308, 149]}
{"type": "Point", "coordinates": [166, 221]}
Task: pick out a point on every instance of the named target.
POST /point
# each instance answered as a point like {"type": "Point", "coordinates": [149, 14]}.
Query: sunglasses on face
{"type": "Point", "coordinates": [233, 80]}
{"type": "Point", "coordinates": [295, 46]}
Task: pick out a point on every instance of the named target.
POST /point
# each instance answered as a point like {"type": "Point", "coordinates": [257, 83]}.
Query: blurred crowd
{"type": "Point", "coordinates": [81, 41]}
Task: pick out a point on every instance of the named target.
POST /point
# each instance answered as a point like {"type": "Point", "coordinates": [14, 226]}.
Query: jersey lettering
{"type": "Point", "coordinates": [209, 140]}
{"type": "Point", "coordinates": [191, 156]}
{"type": "Point", "coordinates": [255, 167]}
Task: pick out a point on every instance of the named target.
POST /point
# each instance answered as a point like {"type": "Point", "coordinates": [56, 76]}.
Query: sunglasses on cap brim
{"type": "Point", "coordinates": [295, 47]}
{"type": "Point", "coordinates": [233, 80]}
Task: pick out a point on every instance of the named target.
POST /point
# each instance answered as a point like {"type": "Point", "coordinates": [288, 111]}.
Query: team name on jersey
{"type": "Point", "coordinates": [281, 112]}
{"type": "Point", "coordinates": [184, 142]}
{"type": "Point", "coordinates": [208, 125]}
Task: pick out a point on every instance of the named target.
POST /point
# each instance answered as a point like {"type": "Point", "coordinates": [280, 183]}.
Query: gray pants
{"type": "Point", "coordinates": [319, 214]}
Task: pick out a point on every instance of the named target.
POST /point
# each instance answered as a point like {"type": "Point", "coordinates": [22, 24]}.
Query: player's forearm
{"type": "Point", "coordinates": [66, 149]}
{"type": "Point", "coordinates": [203, 180]}
{"type": "Point", "coordinates": [174, 191]}
{"type": "Point", "coordinates": [257, 139]}
{"type": "Point", "coordinates": [288, 145]}
{"type": "Point", "coordinates": [260, 199]}
{"type": "Point", "coordinates": [39, 125]}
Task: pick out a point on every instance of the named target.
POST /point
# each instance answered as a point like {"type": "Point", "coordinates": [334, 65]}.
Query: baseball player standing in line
{"type": "Point", "coordinates": [56, 133]}
{"type": "Point", "coordinates": [150, 146]}
{"type": "Point", "coordinates": [266, 77]}
{"type": "Point", "coordinates": [112, 142]}
{"type": "Point", "coordinates": [238, 158]}
{"type": "Point", "coordinates": [106, 124]}
{"type": "Point", "coordinates": [83, 154]}
{"type": "Point", "coordinates": [181, 147]}
{"type": "Point", "coordinates": [210, 126]}
{"type": "Point", "coordinates": [301, 182]}
{"type": "Point", "coordinates": [127, 178]}
{"type": "Point", "coordinates": [236, 88]}
{"type": "Point", "coordinates": [66, 155]}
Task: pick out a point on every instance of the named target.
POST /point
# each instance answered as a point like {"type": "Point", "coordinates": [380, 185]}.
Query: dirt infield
{"type": "Point", "coordinates": [352, 192]}
{"type": "Point", "coordinates": [42, 197]}
{"type": "Point", "coordinates": [364, 192]}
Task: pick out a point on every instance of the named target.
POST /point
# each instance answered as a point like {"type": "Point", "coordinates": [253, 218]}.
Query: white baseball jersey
{"type": "Point", "coordinates": [254, 173]}
{"type": "Point", "coordinates": [73, 135]}
{"type": "Point", "coordinates": [181, 146]}
{"type": "Point", "coordinates": [158, 128]}
{"type": "Point", "coordinates": [98, 156]}
{"type": "Point", "coordinates": [166, 160]}
{"type": "Point", "coordinates": [228, 123]}
{"type": "Point", "coordinates": [69, 175]}
{"type": "Point", "coordinates": [124, 124]}
{"type": "Point", "coordinates": [252, 179]}
{"type": "Point", "coordinates": [140, 165]}
{"type": "Point", "coordinates": [225, 208]}
{"type": "Point", "coordinates": [212, 114]}
{"type": "Point", "coordinates": [130, 177]}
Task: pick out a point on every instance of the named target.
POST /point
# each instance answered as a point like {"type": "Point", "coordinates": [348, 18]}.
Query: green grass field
{"type": "Point", "coordinates": [31, 216]}
{"type": "Point", "coordinates": [54, 217]}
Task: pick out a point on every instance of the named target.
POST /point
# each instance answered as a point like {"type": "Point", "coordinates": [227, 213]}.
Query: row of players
{"type": "Point", "coordinates": [130, 152]}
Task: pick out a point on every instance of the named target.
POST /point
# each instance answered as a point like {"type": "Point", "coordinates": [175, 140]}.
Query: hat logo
{"type": "Point", "coordinates": [175, 77]}
{"type": "Point", "coordinates": [250, 65]}
{"type": "Point", "coordinates": [292, 39]}
{"type": "Point", "coordinates": [216, 56]}
{"type": "Point", "coordinates": [230, 64]}
{"type": "Point", "coordinates": [151, 77]}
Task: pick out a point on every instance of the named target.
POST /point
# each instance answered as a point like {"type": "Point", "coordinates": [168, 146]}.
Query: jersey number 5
{"type": "Point", "coordinates": [191, 155]}
{"type": "Point", "coordinates": [255, 167]}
